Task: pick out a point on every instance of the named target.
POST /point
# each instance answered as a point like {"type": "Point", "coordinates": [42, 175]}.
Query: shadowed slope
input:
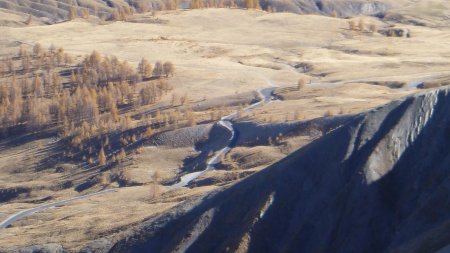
{"type": "Point", "coordinates": [377, 184]}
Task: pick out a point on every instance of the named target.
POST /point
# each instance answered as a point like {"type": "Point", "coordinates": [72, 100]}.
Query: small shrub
{"type": "Point", "coordinates": [102, 157]}
{"type": "Point", "coordinates": [301, 84]}
{"type": "Point", "coordinates": [328, 113]}
{"type": "Point", "coordinates": [361, 25]}
{"type": "Point", "coordinates": [372, 28]}
{"type": "Point", "coordinates": [334, 14]}
{"type": "Point", "coordinates": [352, 25]}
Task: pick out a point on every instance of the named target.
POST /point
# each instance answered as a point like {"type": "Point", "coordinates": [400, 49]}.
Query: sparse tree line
{"type": "Point", "coordinates": [199, 4]}
{"type": "Point", "coordinates": [122, 12]}
{"type": "Point", "coordinates": [88, 100]}
{"type": "Point", "coordinates": [44, 89]}
{"type": "Point", "coordinates": [34, 92]}
{"type": "Point", "coordinates": [28, 84]}
{"type": "Point", "coordinates": [361, 26]}
{"type": "Point", "coordinates": [146, 6]}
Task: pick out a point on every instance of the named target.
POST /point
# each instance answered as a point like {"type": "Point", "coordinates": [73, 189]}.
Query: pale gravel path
{"type": "Point", "coordinates": [265, 95]}
{"type": "Point", "coordinates": [30, 211]}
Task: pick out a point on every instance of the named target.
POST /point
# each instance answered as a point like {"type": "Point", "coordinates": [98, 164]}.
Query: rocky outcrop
{"type": "Point", "coordinates": [377, 184]}
{"type": "Point", "coordinates": [343, 8]}
{"type": "Point", "coordinates": [395, 32]}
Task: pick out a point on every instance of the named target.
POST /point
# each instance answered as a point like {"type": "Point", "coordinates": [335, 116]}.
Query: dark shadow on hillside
{"type": "Point", "coordinates": [316, 200]}
{"type": "Point", "coordinates": [218, 139]}
{"type": "Point", "coordinates": [19, 135]}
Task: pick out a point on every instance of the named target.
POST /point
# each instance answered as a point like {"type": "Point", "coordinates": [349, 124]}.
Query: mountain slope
{"type": "Point", "coordinates": [342, 7]}
{"type": "Point", "coordinates": [409, 11]}
{"type": "Point", "coordinates": [378, 184]}
{"type": "Point", "coordinates": [59, 10]}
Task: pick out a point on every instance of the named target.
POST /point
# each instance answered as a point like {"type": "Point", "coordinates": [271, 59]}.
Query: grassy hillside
{"type": "Point", "coordinates": [52, 10]}
{"type": "Point", "coordinates": [377, 184]}
{"type": "Point", "coordinates": [323, 69]}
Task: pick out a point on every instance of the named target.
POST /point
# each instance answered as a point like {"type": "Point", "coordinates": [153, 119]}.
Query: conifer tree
{"type": "Point", "coordinates": [168, 69]}
{"type": "Point", "coordinates": [72, 13]}
{"type": "Point", "coordinates": [102, 157]}
{"type": "Point", "coordinates": [145, 68]}
{"type": "Point", "coordinates": [37, 50]}
{"type": "Point", "coordinates": [361, 25]}
{"type": "Point", "coordinates": [158, 70]}
{"type": "Point", "coordinates": [352, 25]}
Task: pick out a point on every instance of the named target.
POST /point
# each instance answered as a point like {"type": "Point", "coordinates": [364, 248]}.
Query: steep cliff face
{"type": "Point", "coordinates": [378, 184]}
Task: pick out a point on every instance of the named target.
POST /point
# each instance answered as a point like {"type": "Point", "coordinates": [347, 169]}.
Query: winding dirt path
{"type": "Point", "coordinates": [265, 95]}
{"type": "Point", "coordinates": [30, 211]}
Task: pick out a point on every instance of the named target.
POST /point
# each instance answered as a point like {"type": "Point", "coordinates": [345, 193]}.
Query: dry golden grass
{"type": "Point", "coordinates": [189, 38]}
{"type": "Point", "coordinates": [318, 101]}
{"type": "Point", "coordinates": [79, 222]}
{"type": "Point", "coordinates": [217, 52]}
